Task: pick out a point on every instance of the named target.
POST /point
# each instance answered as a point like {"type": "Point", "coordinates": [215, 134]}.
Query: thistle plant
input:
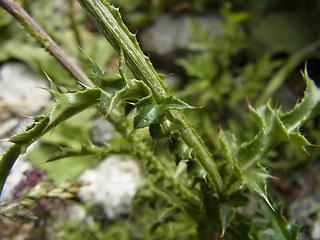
{"type": "Point", "coordinates": [210, 193]}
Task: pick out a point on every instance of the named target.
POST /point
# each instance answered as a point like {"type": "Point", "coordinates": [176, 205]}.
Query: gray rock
{"type": "Point", "coordinates": [169, 34]}
{"type": "Point", "coordinates": [20, 93]}
{"type": "Point", "coordinates": [14, 178]}
{"type": "Point", "coordinates": [113, 184]}
{"type": "Point", "coordinates": [19, 96]}
{"type": "Point", "coordinates": [101, 131]}
{"type": "Point", "coordinates": [7, 125]}
{"type": "Point", "coordinates": [72, 211]}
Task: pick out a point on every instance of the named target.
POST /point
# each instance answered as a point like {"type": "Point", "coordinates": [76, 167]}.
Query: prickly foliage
{"type": "Point", "coordinates": [213, 191]}
{"type": "Point", "coordinates": [275, 128]}
{"type": "Point", "coordinates": [67, 105]}
{"type": "Point", "coordinates": [108, 21]}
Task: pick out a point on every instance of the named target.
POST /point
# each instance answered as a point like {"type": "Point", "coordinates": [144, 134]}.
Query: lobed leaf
{"type": "Point", "coordinates": [69, 104]}
{"type": "Point", "coordinates": [149, 112]}
{"type": "Point", "coordinates": [308, 106]}
{"type": "Point", "coordinates": [255, 178]}
{"type": "Point", "coordinates": [226, 215]}
{"type": "Point", "coordinates": [165, 128]}
{"type": "Point", "coordinates": [275, 128]}
{"type": "Point", "coordinates": [31, 133]}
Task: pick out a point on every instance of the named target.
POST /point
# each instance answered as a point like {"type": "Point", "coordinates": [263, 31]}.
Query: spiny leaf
{"type": "Point", "coordinates": [109, 101]}
{"type": "Point", "coordinates": [226, 215]}
{"type": "Point", "coordinates": [308, 106]}
{"type": "Point", "coordinates": [165, 128]}
{"type": "Point", "coordinates": [137, 90]}
{"type": "Point", "coordinates": [255, 178]}
{"type": "Point", "coordinates": [299, 139]}
{"type": "Point", "coordinates": [105, 98]}
{"type": "Point", "coordinates": [264, 115]}
{"type": "Point", "coordinates": [273, 132]}
{"type": "Point", "coordinates": [31, 133]}
{"type": "Point", "coordinates": [69, 104]}
{"type": "Point", "coordinates": [133, 90]}
{"type": "Point", "coordinates": [275, 128]}
{"type": "Point", "coordinates": [148, 111]}
{"type": "Point", "coordinates": [280, 228]}
{"type": "Point", "coordinates": [130, 89]}
{"type": "Point", "coordinates": [175, 103]}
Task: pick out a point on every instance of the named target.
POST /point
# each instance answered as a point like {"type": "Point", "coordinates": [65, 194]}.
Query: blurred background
{"type": "Point", "coordinates": [216, 54]}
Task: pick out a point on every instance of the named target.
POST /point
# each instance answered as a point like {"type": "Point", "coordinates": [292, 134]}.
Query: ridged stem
{"type": "Point", "coordinates": [108, 21]}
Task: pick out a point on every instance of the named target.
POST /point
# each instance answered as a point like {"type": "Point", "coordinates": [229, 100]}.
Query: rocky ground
{"type": "Point", "coordinates": [114, 181]}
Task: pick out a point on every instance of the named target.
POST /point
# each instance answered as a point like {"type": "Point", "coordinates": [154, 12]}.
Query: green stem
{"type": "Point", "coordinates": [278, 79]}
{"type": "Point", "coordinates": [73, 23]}
{"type": "Point", "coordinates": [139, 149]}
{"type": "Point", "coordinates": [108, 21]}
{"type": "Point", "coordinates": [46, 41]}
{"type": "Point", "coordinates": [143, 152]}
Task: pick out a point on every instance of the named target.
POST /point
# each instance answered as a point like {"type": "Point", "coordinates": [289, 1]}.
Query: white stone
{"type": "Point", "coordinates": [168, 34]}
{"type": "Point", "coordinates": [14, 178]}
{"type": "Point", "coordinates": [20, 93]}
{"type": "Point", "coordinates": [101, 131]}
{"type": "Point", "coordinates": [113, 184]}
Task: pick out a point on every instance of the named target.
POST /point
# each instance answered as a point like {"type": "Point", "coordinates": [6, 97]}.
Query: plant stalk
{"type": "Point", "coordinates": [46, 41]}
{"type": "Point", "coordinates": [108, 21]}
{"type": "Point", "coordinates": [73, 23]}
{"type": "Point", "coordinates": [278, 79]}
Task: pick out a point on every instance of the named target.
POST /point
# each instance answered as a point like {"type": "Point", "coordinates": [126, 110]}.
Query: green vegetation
{"type": "Point", "coordinates": [200, 183]}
